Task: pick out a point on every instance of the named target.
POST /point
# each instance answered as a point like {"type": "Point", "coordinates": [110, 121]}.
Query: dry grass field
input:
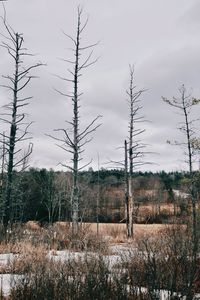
{"type": "Point", "coordinates": [38, 256]}
{"type": "Point", "coordinates": [117, 232]}
{"type": "Point", "coordinates": [152, 208]}
{"type": "Point", "coordinates": [58, 236]}
{"type": "Point", "coordinates": [106, 229]}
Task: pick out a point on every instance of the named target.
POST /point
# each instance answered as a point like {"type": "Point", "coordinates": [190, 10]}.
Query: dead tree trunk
{"type": "Point", "coordinates": [13, 128]}
{"type": "Point", "coordinates": [14, 44]}
{"type": "Point", "coordinates": [184, 103]}
{"type": "Point", "coordinates": [74, 143]}
{"type": "Point", "coordinates": [75, 191]}
{"type": "Point", "coordinates": [130, 208]}
{"type": "Point", "coordinates": [2, 181]}
{"type": "Point", "coordinates": [133, 152]}
{"type": "Point", "coordinates": [130, 152]}
{"type": "Point", "coordinates": [126, 191]}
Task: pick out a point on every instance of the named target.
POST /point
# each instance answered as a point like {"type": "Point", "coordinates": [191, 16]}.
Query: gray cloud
{"type": "Point", "coordinates": [159, 37]}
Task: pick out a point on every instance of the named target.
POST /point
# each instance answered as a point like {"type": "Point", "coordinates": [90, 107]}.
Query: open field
{"type": "Point", "coordinates": [116, 232]}
{"type": "Point", "coordinates": [49, 260]}
{"type": "Point", "coordinates": [149, 229]}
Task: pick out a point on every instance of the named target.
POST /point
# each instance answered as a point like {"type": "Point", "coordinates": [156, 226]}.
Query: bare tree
{"type": "Point", "coordinates": [2, 180]}
{"type": "Point", "coordinates": [128, 209]}
{"type": "Point", "coordinates": [74, 139]}
{"type": "Point", "coordinates": [62, 183]}
{"type": "Point", "coordinates": [14, 116]}
{"type": "Point", "coordinates": [184, 103]}
{"type": "Point", "coordinates": [133, 153]}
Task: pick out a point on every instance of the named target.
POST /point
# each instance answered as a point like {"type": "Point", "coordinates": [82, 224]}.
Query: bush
{"type": "Point", "coordinates": [164, 262]}
{"type": "Point", "coordinates": [89, 278]}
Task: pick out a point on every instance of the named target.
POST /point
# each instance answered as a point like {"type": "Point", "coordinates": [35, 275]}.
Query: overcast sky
{"type": "Point", "coordinates": [160, 37]}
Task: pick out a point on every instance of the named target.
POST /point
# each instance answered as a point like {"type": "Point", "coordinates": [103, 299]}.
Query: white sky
{"type": "Point", "coordinates": [160, 37]}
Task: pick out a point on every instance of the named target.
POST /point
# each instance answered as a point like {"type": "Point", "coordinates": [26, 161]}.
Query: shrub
{"type": "Point", "coordinates": [89, 278]}
{"type": "Point", "coordinates": [163, 262]}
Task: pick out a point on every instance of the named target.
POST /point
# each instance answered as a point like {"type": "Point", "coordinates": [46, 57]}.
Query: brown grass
{"type": "Point", "coordinates": [29, 255]}
{"type": "Point", "coordinates": [32, 226]}
{"type": "Point", "coordinates": [117, 232]}
{"type": "Point", "coordinates": [59, 236]}
{"type": "Point", "coordinates": [111, 232]}
{"type": "Point", "coordinates": [150, 208]}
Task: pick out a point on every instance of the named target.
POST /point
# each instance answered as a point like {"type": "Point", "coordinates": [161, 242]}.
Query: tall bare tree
{"type": "Point", "coordinates": [74, 139]}
{"type": "Point", "coordinates": [128, 209]}
{"type": "Point", "coordinates": [2, 180]}
{"type": "Point", "coordinates": [184, 103]}
{"type": "Point", "coordinates": [133, 149]}
{"type": "Point", "coordinates": [15, 116]}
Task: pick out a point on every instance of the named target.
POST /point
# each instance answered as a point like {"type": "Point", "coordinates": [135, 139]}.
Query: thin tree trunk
{"type": "Point", "coordinates": [185, 103]}
{"type": "Point", "coordinates": [132, 151]}
{"type": "Point", "coordinates": [75, 139]}
{"type": "Point", "coordinates": [126, 185]}
{"type": "Point", "coordinates": [130, 208]}
{"type": "Point", "coordinates": [131, 132]}
{"type": "Point", "coordinates": [8, 205]}
{"type": "Point", "coordinates": [17, 82]}
{"type": "Point", "coordinates": [75, 196]}
{"type": "Point", "coordinates": [193, 200]}
{"type": "Point", "coordinates": [59, 207]}
{"type": "Point", "coordinates": [98, 194]}
{"type": "Point", "coordinates": [2, 182]}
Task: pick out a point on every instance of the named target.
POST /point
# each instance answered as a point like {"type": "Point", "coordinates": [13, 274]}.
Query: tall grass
{"type": "Point", "coordinates": [89, 278]}
{"type": "Point", "coordinates": [57, 237]}
{"type": "Point", "coordinates": [155, 263]}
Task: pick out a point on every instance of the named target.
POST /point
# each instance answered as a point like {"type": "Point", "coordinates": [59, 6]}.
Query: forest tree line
{"type": "Point", "coordinates": [45, 195]}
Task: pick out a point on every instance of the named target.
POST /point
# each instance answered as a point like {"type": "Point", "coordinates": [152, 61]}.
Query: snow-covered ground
{"type": "Point", "coordinates": [6, 258]}
{"type": "Point", "coordinates": [118, 253]}
{"type": "Point", "coordinates": [6, 282]}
